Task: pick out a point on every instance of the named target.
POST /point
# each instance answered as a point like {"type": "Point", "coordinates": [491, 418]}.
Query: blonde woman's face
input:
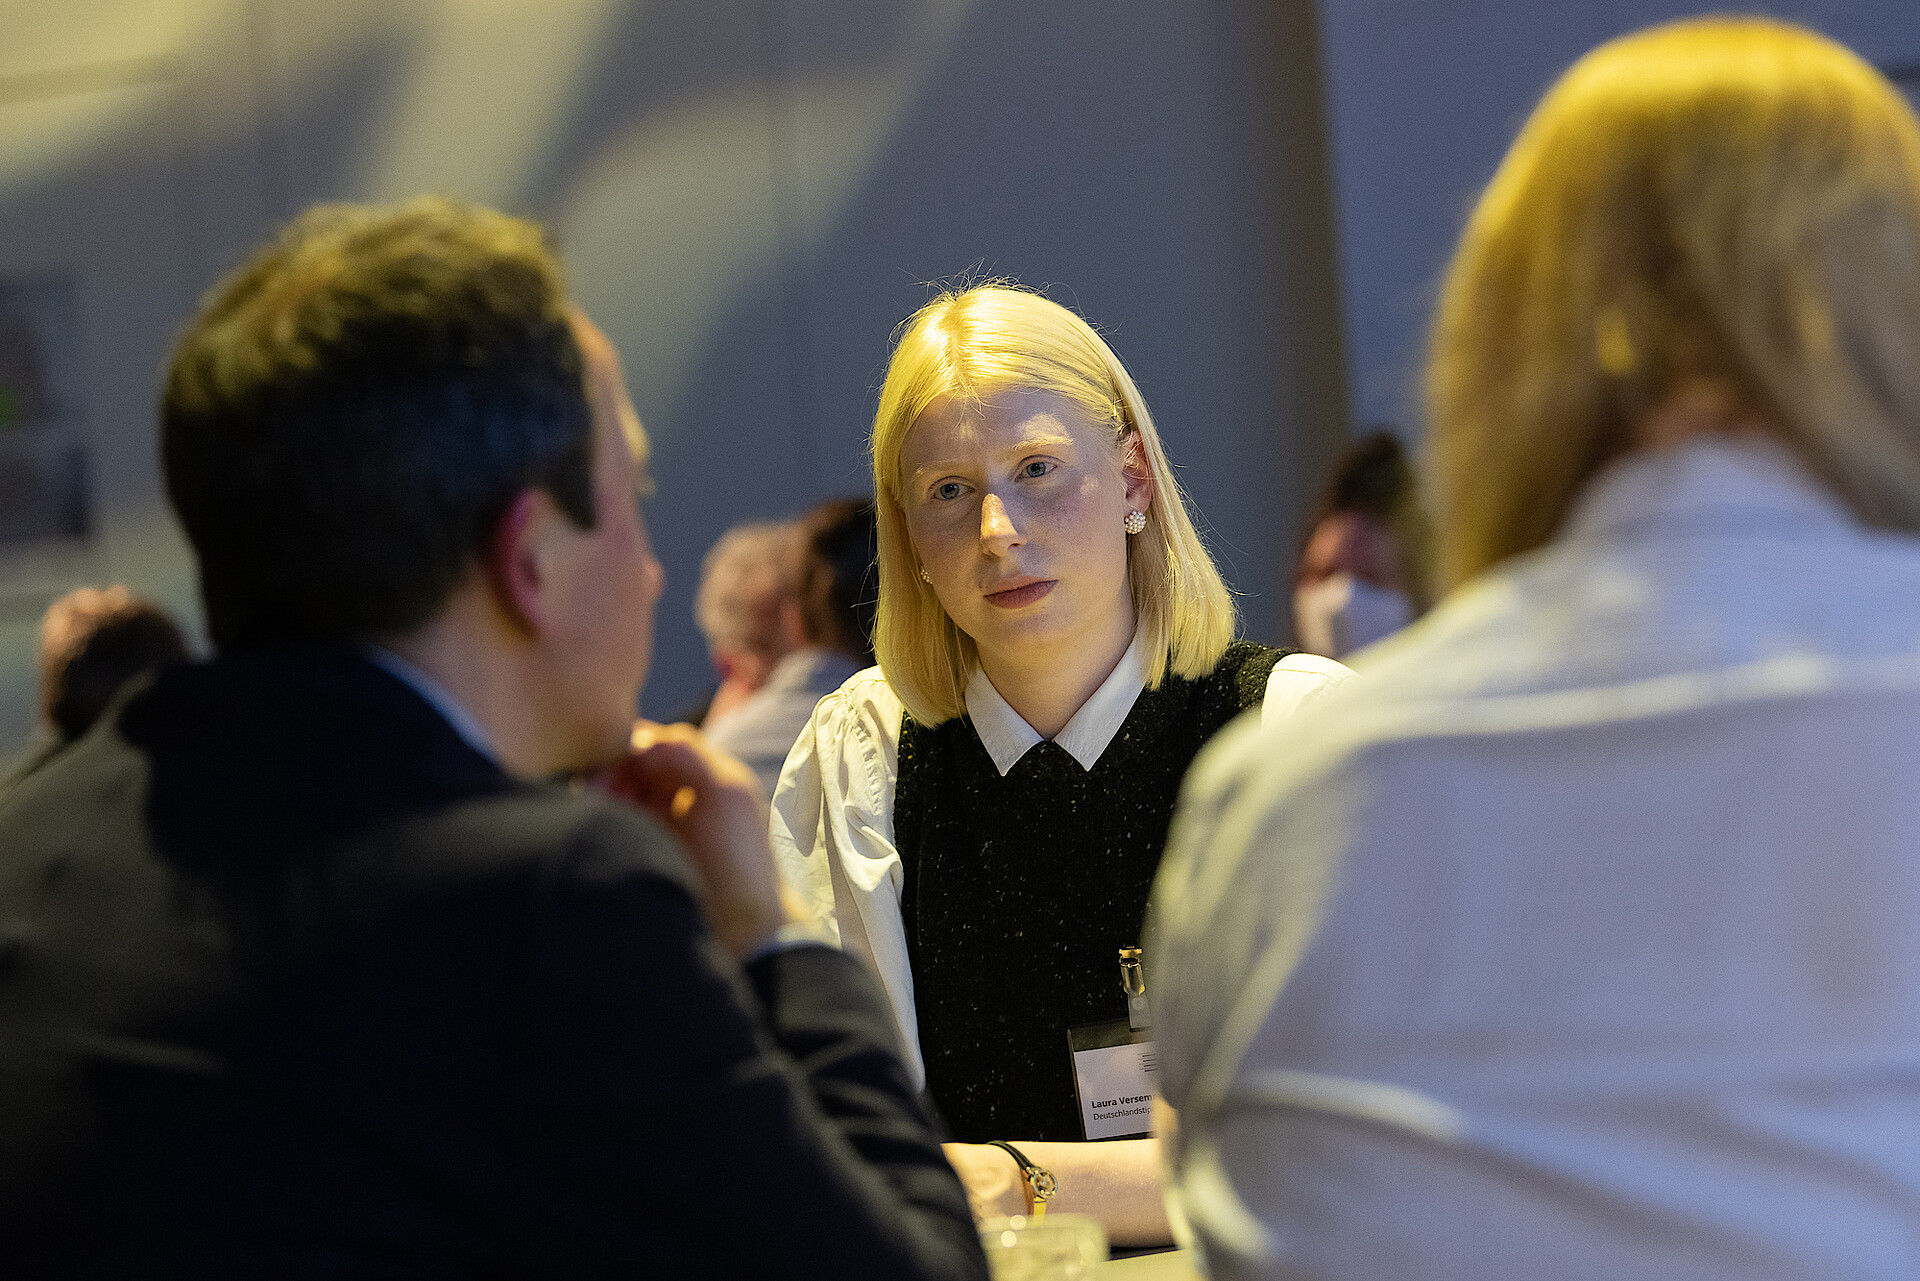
{"type": "Point", "coordinates": [1016, 508]}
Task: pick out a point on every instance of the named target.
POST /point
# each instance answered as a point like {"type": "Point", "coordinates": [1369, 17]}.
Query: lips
{"type": "Point", "coordinates": [1022, 592]}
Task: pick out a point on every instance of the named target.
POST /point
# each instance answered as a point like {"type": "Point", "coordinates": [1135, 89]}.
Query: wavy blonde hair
{"type": "Point", "coordinates": [1736, 200]}
{"type": "Point", "coordinates": [978, 342]}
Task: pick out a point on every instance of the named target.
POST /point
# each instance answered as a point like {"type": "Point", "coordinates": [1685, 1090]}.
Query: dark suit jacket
{"type": "Point", "coordinates": [294, 983]}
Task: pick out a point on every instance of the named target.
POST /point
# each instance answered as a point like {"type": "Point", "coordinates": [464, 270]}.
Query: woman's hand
{"type": "Point", "coordinates": [1116, 1182]}
{"type": "Point", "coordinates": [712, 803]}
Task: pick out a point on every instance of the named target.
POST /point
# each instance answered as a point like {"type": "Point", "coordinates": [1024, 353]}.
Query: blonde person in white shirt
{"type": "Point", "coordinates": [980, 816]}
{"type": "Point", "coordinates": [1580, 936]}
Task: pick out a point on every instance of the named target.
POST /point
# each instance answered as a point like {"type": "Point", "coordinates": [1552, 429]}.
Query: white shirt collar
{"type": "Point", "coordinates": [1007, 736]}
{"type": "Point", "coordinates": [437, 697]}
{"type": "Point", "coordinates": [1711, 478]}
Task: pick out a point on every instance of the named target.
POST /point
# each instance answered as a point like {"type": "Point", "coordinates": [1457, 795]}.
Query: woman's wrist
{"type": "Point", "coordinates": [991, 1179]}
{"type": "Point", "coordinates": [1037, 1181]}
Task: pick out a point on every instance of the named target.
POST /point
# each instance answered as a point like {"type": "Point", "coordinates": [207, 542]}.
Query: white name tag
{"type": "Point", "coordinates": [1115, 1084]}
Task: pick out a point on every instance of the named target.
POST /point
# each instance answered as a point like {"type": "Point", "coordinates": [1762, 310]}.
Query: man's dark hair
{"type": "Point", "coordinates": [354, 409]}
{"type": "Point", "coordinates": [840, 576]}
{"type": "Point", "coordinates": [92, 642]}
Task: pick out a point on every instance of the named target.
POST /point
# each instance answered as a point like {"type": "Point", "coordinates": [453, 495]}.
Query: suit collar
{"type": "Point", "coordinates": [269, 755]}
{"type": "Point", "coordinates": [471, 732]}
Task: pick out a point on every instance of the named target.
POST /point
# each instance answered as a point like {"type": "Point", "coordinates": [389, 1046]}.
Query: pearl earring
{"type": "Point", "coordinates": [925, 577]}
{"type": "Point", "coordinates": [1135, 522]}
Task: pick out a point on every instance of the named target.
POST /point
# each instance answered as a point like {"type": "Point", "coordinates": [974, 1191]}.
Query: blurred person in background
{"type": "Point", "coordinates": [981, 815]}
{"type": "Point", "coordinates": [93, 641]}
{"type": "Point", "coordinates": [1580, 937]}
{"type": "Point", "coordinates": [745, 607]}
{"type": "Point", "coordinates": [310, 969]}
{"type": "Point", "coordinates": [836, 587]}
{"type": "Point", "coordinates": [1363, 570]}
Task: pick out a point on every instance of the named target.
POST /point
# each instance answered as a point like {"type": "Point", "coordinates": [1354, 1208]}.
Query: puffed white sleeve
{"type": "Point", "coordinates": [1297, 681]}
{"type": "Point", "coordinates": [832, 833]}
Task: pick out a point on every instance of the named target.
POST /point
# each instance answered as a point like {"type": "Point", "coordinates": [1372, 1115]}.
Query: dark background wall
{"type": "Point", "coordinates": [751, 194]}
{"type": "Point", "coordinates": [1425, 95]}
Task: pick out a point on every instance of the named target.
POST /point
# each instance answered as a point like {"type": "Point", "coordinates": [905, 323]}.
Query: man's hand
{"type": "Point", "coordinates": [711, 802]}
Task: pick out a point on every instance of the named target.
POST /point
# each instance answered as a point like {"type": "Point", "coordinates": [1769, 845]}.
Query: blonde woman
{"type": "Point", "coordinates": [982, 814]}
{"type": "Point", "coordinates": [1580, 936]}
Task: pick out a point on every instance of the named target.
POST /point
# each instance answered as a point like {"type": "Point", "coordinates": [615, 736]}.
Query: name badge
{"type": "Point", "coordinates": [1114, 1069]}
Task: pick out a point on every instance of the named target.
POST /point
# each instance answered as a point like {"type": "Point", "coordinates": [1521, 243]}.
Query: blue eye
{"type": "Point", "coordinates": [1038, 467]}
{"type": "Point", "coordinates": [947, 490]}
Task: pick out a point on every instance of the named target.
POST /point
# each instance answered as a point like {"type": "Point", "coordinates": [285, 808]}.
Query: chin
{"type": "Point", "coordinates": [611, 741]}
{"type": "Point", "coordinates": [591, 745]}
{"type": "Point", "coordinates": [1036, 624]}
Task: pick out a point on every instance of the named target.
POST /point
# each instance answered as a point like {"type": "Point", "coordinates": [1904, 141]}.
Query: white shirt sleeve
{"type": "Point", "coordinates": [832, 832]}
{"type": "Point", "coordinates": [1298, 680]}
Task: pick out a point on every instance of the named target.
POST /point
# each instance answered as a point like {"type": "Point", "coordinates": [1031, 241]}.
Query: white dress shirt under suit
{"type": "Point", "coordinates": [1577, 936]}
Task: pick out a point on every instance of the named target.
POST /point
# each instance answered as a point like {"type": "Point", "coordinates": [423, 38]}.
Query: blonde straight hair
{"type": "Point", "coordinates": [1735, 200]}
{"type": "Point", "coordinates": [974, 344]}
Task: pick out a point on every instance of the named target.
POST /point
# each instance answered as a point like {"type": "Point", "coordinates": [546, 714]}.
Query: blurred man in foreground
{"type": "Point", "coordinates": [309, 972]}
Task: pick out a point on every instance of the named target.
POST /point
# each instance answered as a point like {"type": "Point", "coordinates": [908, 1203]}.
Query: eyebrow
{"type": "Point", "coordinates": [1027, 445]}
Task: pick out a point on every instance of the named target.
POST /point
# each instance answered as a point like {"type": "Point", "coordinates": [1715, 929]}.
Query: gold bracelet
{"type": "Point", "coordinates": [1041, 1185]}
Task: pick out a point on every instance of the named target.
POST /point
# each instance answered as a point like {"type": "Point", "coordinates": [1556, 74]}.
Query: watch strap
{"type": "Point", "coordinates": [1041, 1185]}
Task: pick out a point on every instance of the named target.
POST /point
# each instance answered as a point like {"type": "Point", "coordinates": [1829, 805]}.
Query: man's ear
{"type": "Point", "coordinates": [513, 562]}
{"type": "Point", "coordinates": [1137, 474]}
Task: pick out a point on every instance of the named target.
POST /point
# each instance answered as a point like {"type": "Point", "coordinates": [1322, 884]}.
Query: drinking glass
{"type": "Point", "coordinates": [1058, 1247]}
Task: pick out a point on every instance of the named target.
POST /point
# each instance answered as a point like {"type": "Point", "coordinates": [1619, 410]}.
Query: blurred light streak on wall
{"type": "Point", "coordinates": [514, 64]}
{"type": "Point", "coordinates": [72, 75]}
{"type": "Point", "coordinates": [680, 211]}
{"type": "Point", "coordinates": [750, 195]}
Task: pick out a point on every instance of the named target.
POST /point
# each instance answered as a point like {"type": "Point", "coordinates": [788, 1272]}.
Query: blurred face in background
{"type": "Point", "coordinates": [1351, 587]}
{"type": "Point", "coordinates": [1352, 543]}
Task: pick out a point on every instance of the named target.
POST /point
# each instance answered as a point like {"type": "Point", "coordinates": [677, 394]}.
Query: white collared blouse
{"type": "Point", "coordinates": [832, 822]}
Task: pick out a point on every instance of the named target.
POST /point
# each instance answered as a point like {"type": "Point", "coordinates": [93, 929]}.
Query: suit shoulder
{"type": "Point", "coordinates": [555, 826]}
{"type": "Point", "coordinates": [87, 794]}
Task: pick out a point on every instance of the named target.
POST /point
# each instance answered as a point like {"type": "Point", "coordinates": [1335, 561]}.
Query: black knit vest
{"type": "Point", "coordinates": [1021, 890]}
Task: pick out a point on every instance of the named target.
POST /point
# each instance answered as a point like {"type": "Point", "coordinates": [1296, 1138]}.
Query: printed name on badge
{"type": "Point", "coordinates": [1115, 1084]}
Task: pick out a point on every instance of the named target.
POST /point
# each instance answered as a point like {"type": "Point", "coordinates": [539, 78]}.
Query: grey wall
{"type": "Point", "coordinates": [1424, 97]}
{"type": "Point", "coordinates": [750, 195]}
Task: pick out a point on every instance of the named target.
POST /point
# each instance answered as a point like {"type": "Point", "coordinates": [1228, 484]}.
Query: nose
{"type": "Point", "coordinates": [997, 533]}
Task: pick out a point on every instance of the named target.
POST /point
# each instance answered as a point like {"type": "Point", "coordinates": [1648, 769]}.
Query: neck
{"type": "Point", "coordinates": [1696, 409]}
{"type": "Point", "coordinates": [1047, 689]}
{"type": "Point", "coordinates": [472, 656]}
{"type": "Point", "coordinates": [730, 694]}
